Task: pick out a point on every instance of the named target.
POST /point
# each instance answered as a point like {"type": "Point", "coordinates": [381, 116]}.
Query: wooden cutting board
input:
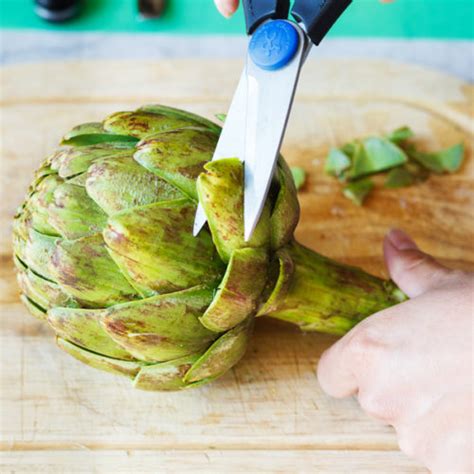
{"type": "Point", "coordinates": [268, 414]}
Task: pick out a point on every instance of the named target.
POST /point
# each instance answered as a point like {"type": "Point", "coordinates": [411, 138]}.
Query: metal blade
{"type": "Point", "coordinates": [231, 141]}
{"type": "Point", "coordinates": [270, 97]}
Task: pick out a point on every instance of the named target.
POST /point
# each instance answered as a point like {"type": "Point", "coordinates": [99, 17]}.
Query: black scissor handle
{"type": "Point", "coordinates": [257, 11]}
{"type": "Point", "coordinates": [318, 16]}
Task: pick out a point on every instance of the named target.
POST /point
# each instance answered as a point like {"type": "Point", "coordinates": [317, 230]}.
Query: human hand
{"type": "Point", "coordinates": [411, 365]}
{"type": "Point", "coordinates": [229, 7]}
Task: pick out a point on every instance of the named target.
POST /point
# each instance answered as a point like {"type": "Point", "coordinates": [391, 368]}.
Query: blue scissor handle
{"type": "Point", "coordinates": [274, 44]}
{"type": "Point", "coordinates": [317, 16]}
{"type": "Point", "coordinates": [257, 11]}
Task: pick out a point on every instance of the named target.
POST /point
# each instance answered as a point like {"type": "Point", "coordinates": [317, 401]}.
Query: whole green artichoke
{"type": "Point", "coordinates": [105, 253]}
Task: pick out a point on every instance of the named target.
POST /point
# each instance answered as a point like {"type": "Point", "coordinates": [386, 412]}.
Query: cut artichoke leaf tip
{"type": "Point", "coordinates": [105, 253]}
{"type": "Point", "coordinates": [395, 154]}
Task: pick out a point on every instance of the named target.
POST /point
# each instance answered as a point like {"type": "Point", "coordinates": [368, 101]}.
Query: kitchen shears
{"type": "Point", "coordinates": [256, 121]}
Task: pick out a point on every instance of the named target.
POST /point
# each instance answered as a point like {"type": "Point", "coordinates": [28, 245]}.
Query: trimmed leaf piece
{"type": "Point", "coordinates": [162, 327]}
{"type": "Point", "coordinates": [239, 291]}
{"type": "Point", "coordinates": [183, 115]}
{"type": "Point", "coordinates": [376, 155]}
{"type": "Point", "coordinates": [336, 162]}
{"type": "Point", "coordinates": [166, 375]}
{"type": "Point", "coordinates": [350, 148]}
{"type": "Point", "coordinates": [74, 214]}
{"type": "Point", "coordinates": [448, 160]}
{"type": "Point", "coordinates": [116, 366]}
{"type": "Point", "coordinates": [222, 355]}
{"type": "Point", "coordinates": [154, 244]}
{"type": "Point", "coordinates": [85, 270]}
{"type": "Point", "coordinates": [83, 328]}
{"type": "Point", "coordinates": [120, 183]}
{"type": "Point", "coordinates": [357, 191]}
{"type": "Point", "coordinates": [286, 210]}
{"type": "Point", "coordinates": [220, 190]}
{"type": "Point", "coordinates": [178, 156]}
{"type": "Point", "coordinates": [221, 117]}
{"type": "Point", "coordinates": [400, 135]}
{"type": "Point", "coordinates": [299, 176]}
{"type": "Point", "coordinates": [399, 177]}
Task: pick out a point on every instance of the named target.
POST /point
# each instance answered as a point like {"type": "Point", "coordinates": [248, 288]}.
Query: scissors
{"type": "Point", "coordinates": [256, 121]}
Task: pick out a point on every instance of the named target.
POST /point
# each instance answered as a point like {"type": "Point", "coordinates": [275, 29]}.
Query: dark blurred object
{"type": "Point", "coordinates": [57, 10]}
{"type": "Point", "coordinates": [151, 8]}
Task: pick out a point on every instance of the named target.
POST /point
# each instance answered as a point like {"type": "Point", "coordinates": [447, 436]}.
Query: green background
{"type": "Point", "coordinates": [444, 19]}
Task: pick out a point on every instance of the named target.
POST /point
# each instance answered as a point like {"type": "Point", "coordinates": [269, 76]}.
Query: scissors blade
{"type": "Point", "coordinates": [270, 97]}
{"type": "Point", "coordinates": [231, 140]}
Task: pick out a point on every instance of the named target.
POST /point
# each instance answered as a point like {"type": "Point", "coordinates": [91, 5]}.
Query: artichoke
{"type": "Point", "coordinates": [105, 254]}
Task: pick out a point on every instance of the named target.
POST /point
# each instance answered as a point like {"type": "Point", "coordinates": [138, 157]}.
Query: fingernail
{"type": "Point", "coordinates": [400, 240]}
{"type": "Point", "coordinates": [225, 11]}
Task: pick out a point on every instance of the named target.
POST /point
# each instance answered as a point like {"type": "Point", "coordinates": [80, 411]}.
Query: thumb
{"type": "Point", "coordinates": [414, 271]}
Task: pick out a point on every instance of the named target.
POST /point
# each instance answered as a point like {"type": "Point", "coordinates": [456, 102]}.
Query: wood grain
{"type": "Point", "coordinates": [268, 414]}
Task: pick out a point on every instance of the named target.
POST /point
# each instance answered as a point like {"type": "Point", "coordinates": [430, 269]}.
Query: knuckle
{"type": "Point", "coordinates": [377, 405]}
{"type": "Point", "coordinates": [366, 341]}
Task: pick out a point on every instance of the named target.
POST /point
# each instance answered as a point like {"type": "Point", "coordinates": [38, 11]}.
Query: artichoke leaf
{"type": "Point", "coordinates": [400, 134]}
{"type": "Point", "coordinates": [156, 247]}
{"type": "Point", "coordinates": [141, 124]}
{"type": "Point", "coordinates": [116, 366]}
{"type": "Point", "coordinates": [165, 375]}
{"type": "Point", "coordinates": [357, 191]}
{"type": "Point", "coordinates": [220, 190]}
{"type": "Point", "coordinates": [74, 214]}
{"type": "Point", "coordinates": [399, 177]}
{"type": "Point", "coordinates": [85, 270]}
{"type": "Point", "coordinates": [44, 293]}
{"type": "Point", "coordinates": [277, 287]}
{"type": "Point", "coordinates": [34, 309]}
{"type": "Point", "coordinates": [223, 354]}
{"type": "Point", "coordinates": [181, 114]}
{"type": "Point", "coordinates": [37, 253]}
{"type": "Point", "coordinates": [337, 162]}
{"type": "Point", "coordinates": [73, 161]}
{"type": "Point", "coordinates": [375, 155]}
{"type": "Point", "coordinates": [121, 183]}
{"type": "Point", "coordinates": [239, 291]}
{"type": "Point", "coordinates": [444, 161]}
{"type": "Point", "coordinates": [38, 205]}
{"type": "Point", "coordinates": [299, 176]}
{"type": "Point", "coordinates": [93, 133]}
{"type": "Point", "coordinates": [178, 156]}
{"type": "Point", "coordinates": [162, 327]}
{"type": "Point", "coordinates": [286, 211]}
{"type": "Point", "coordinates": [83, 328]}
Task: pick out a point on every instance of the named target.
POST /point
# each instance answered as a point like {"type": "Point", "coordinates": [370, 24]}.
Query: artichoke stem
{"type": "Point", "coordinates": [327, 296]}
